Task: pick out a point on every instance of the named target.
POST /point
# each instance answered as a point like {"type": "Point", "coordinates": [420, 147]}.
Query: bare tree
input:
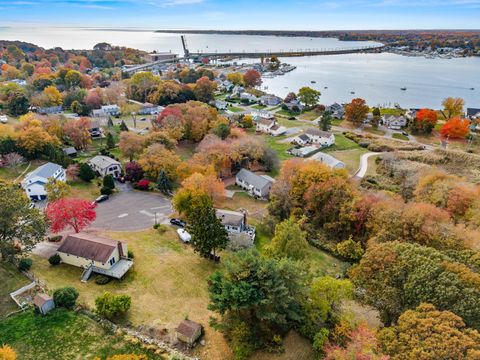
{"type": "Point", "coordinates": [13, 160]}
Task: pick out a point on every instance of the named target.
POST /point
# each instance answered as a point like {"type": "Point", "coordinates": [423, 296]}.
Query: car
{"type": "Point", "coordinates": [404, 133]}
{"type": "Point", "coordinates": [184, 235]}
{"type": "Point", "coordinates": [177, 222]}
{"type": "Point", "coordinates": [143, 119]}
{"type": "Point", "coordinates": [101, 198]}
{"type": "Point", "coordinates": [31, 206]}
{"type": "Point", "coordinates": [121, 179]}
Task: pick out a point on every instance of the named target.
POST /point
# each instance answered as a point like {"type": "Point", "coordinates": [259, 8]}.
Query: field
{"type": "Point", "coordinates": [342, 143]}
{"type": "Point", "coordinates": [399, 136]}
{"type": "Point", "coordinates": [10, 279]}
{"type": "Point", "coordinates": [351, 158]}
{"type": "Point", "coordinates": [63, 334]}
{"type": "Point", "coordinates": [280, 148]}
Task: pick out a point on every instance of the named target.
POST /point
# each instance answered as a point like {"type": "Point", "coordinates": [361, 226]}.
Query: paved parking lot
{"type": "Point", "coordinates": [131, 210]}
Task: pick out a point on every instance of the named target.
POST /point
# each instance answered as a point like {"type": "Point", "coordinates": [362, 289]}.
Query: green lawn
{"type": "Point", "coordinates": [235, 109]}
{"type": "Point", "coordinates": [393, 111]}
{"type": "Point", "coordinates": [337, 122]}
{"type": "Point", "coordinates": [10, 279]}
{"type": "Point", "coordinates": [287, 113]}
{"type": "Point", "coordinates": [280, 148]}
{"type": "Point", "coordinates": [342, 143]}
{"type": "Point", "coordinates": [63, 334]}
{"type": "Point", "coordinates": [399, 136]}
{"type": "Point", "coordinates": [258, 107]}
{"type": "Point", "coordinates": [351, 158]}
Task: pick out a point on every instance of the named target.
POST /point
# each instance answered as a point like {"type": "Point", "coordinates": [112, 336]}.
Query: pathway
{"type": "Point", "coordinates": [362, 170]}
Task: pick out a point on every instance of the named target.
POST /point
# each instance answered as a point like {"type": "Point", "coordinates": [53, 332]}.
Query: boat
{"type": "Point", "coordinates": [352, 92]}
{"type": "Point", "coordinates": [313, 82]}
{"type": "Point", "coordinates": [472, 88]}
{"type": "Point", "coordinates": [326, 87]}
{"type": "Point", "coordinates": [403, 88]}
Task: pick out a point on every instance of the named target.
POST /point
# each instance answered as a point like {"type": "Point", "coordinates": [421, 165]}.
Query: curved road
{"type": "Point", "coordinates": [362, 170]}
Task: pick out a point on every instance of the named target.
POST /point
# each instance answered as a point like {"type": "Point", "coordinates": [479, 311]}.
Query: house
{"type": "Point", "coordinates": [3, 119]}
{"type": "Point", "coordinates": [20, 82]}
{"type": "Point", "coordinates": [262, 114]}
{"type": "Point", "coordinates": [394, 122]}
{"type": "Point", "coordinates": [411, 114]}
{"type": "Point", "coordinates": [248, 96]}
{"type": "Point", "coordinates": [328, 160]}
{"type": "Point", "coordinates": [232, 220]}
{"type": "Point", "coordinates": [70, 151]}
{"type": "Point", "coordinates": [95, 254]}
{"type": "Point", "coordinates": [295, 105]}
{"type": "Point", "coordinates": [150, 109]}
{"type": "Point", "coordinates": [256, 185]}
{"type": "Point", "coordinates": [336, 110]}
{"type": "Point", "coordinates": [35, 181]}
{"type": "Point", "coordinates": [105, 165]}
{"type": "Point", "coordinates": [49, 110]}
{"type": "Point", "coordinates": [315, 136]}
{"type": "Point", "coordinates": [188, 331]}
{"type": "Point", "coordinates": [220, 104]}
{"type": "Point", "coordinates": [111, 110]}
{"type": "Point", "coordinates": [98, 113]}
{"type": "Point", "coordinates": [473, 113]}
{"type": "Point", "coordinates": [94, 129]}
{"type": "Point", "coordinates": [305, 151]}
{"type": "Point", "coordinates": [44, 303]}
{"type": "Point", "coordinates": [237, 91]}
{"type": "Point", "coordinates": [270, 127]}
{"type": "Point", "coordinates": [270, 100]}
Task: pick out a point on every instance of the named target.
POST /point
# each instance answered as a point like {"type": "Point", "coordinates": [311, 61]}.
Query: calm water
{"type": "Point", "coordinates": [375, 77]}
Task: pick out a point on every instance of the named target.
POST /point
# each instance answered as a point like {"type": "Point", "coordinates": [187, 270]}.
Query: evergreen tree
{"type": "Point", "coordinates": [164, 184]}
{"type": "Point", "coordinates": [86, 172]}
{"type": "Point", "coordinates": [208, 233]}
{"type": "Point", "coordinates": [123, 126]}
{"type": "Point", "coordinates": [110, 141]}
{"type": "Point", "coordinates": [326, 121]}
{"type": "Point", "coordinates": [108, 182]}
{"type": "Point", "coordinates": [110, 122]}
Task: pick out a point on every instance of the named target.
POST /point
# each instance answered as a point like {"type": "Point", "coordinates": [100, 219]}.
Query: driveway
{"type": "Point", "coordinates": [131, 210]}
{"type": "Point", "coordinates": [362, 171]}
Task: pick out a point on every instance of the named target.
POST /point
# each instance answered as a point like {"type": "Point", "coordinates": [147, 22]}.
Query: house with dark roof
{"type": "Point", "coordinates": [336, 110]}
{"type": "Point", "coordinates": [473, 113]}
{"type": "Point", "coordinates": [270, 127]}
{"type": "Point", "coordinates": [256, 185]}
{"type": "Point", "coordinates": [35, 181]}
{"type": "Point", "coordinates": [95, 254]}
{"type": "Point", "coordinates": [315, 136]}
{"type": "Point", "coordinates": [70, 151]}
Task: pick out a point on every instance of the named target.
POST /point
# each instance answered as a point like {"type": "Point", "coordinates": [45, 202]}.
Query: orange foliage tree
{"type": "Point", "coordinates": [357, 111]}
{"type": "Point", "coordinates": [425, 121]}
{"type": "Point", "coordinates": [456, 128]}
{"type": "Point", "coordinates": [7, 353]}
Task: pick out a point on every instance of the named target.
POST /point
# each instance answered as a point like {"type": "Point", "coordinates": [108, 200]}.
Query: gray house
{"type": "Point", "coordinates": [256, 185]}
{"type": "Point", "coordinates": [336, 110]}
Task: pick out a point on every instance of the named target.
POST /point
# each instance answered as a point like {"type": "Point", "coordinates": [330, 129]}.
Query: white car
{"type": "Point", "coordinates": [3, 119]}
{"type": "Point", "coordinates": [184, 235]}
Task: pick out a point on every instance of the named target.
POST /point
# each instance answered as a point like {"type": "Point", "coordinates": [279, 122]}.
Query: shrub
{"type": "Point", "coordinates": [110, 305]}
{"type": "Point", "coordinates": [106, 191]}
{"type": "Point", "coordinates": [55, 238]}
{"type": "Point", "coordinates": [25, 264]}
{"type": "Point", "coordinates": [102, 280]}
{"type": "Point", "coordinates": [54, 259]}
{"type": "Point", "coordinates": [86, 172]}
{"type": "Point", "coordinates": [143, 184]}
{"type": "Point", "coordinates": [130, 254]}
{"type": "Point", "coordinates": [108, 182]}
{"type": "Point", "coordinates": [65, 297]}
{"type": "Point", "coordinates": [350, 249]}
{"type": "Point", "coordinates": [162, 229]}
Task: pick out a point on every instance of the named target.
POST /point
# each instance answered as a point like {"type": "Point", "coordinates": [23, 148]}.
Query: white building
{"type": "Point", "coordinates": [105, 165]}
{"type": "Point", "coordinates": [328, 160]}
{"type": "Point", "coordinates": [270, 127]}
{"type": "Point", "coordinates": [315, 136]}
{"type": "Point", "coordinates": [394, 122]}
{"type": "Point", "coordinates": [256, 185]}
{"type": "Point", "coordinates": [35, 181]}
{"type": "Point", "coordinates": [262, 114]}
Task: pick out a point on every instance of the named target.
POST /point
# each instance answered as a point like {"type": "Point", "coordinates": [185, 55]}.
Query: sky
{"type": "Point", "coordinates": [245, 14]}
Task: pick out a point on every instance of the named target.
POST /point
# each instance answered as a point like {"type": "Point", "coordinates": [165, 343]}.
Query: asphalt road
{"type": "Point", "coordinates": [131, 210]}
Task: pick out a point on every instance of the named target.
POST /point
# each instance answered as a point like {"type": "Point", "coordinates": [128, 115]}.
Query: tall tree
{"type": "Point", "coordinates": [252, 78]}
{"type": "Point", "coordinates": [19, 225]}
{"type": "Point", "coordinates": [424, 121]}
{"type": "Point", "coordinates": [78, 132]}
{"type": "Point", "coordinates": [157, 157]}
{"type": "Point", "coordinates": [74, 213]}
{"type": "Point", "coordinates": [164, 184]}
{"type": "Point", "coordinates": [456, 128]}
{"type": "Point", "coordinates": [204, 89]}
{"type": "Point", "coordinates": [131, 144]}
{"type": "Point", "coordinates": [208, 232]}
{"type": "Point", "coordinates": [57, 190]}
{"type": "Point", "coordinates": [110, 141]}
{"type": "Point", "coordinates": [326, 121]}
{"type": "Point", "coordinates": [289, 241]}
{"type": "Point", "coordinates": [453, 107]}
{"type": "Point", "coordinates": [356, 111]}
{"type": "Point", "coordinates": [309, 96]}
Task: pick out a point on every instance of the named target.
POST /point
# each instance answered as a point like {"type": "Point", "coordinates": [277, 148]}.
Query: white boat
{"type": "Point", "coordinates": [184, 235]}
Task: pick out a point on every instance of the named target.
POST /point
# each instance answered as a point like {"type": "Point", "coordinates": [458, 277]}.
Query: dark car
{"type": "Point", "coordinates": [404, 133]}
{"type": "Point", "coordinates": [177, 222]}
{"type": "Point", "coordinates": [101, 198]}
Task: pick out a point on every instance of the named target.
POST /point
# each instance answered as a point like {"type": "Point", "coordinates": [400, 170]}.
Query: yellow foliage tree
{"type": "Point", "coordinates": [157, 157]}
{"type": "Point", "coordinates": [35, 138]}
{"type": "Point", "coordinates": [53, 95]}
{"type": "Point", "coordinates": [7, 353]}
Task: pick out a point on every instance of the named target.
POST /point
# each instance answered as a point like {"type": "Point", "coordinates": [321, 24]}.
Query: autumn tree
{"type": "Point", "coordinates": [204, 89]}
{"type": "Point", "coordinates": [289, 241]}
{"type": "Point", "coordinates": [66, 213]}
{"type": "Point", "coordinates": [424, 122]}
{"type": "Point", "coordinates": [77, 131]}
{"type": "Point", "coordinates": [57, 190]}
{"type": "Point", "coordinates": [133, 171]}
{"type": "Point", "coordinates": [236, 78]}
{"type": "Point", "coordinates": [456, 128]}
{"type": "Point", "coordinates": [13, 160]}
{"type": "Point", "coordinates": [7, 353]}
{"type": "Point", "coordinates": [19, 224]}
{"type": "Point", "coordinates": [208, 232]}
{"type": "Point", "coordinates": [426, 333]}
{"type": "Point", "coordinates": [453, 107]}
{"type": "Point", "coordinates": [157, 157]}
{"type": "Point", "coordinates": [54, 97]}
{"type": "Point", "coordinates": [356, 111]}
{"type": "Point", "coordinates": [73, 78]}
{"type": "Point", "coordinates": [309, 96]}
{"type": "Point", "coordinates": [131, 144]}
{"type": "Point", "coordinates": [290, 97]}
{"type": "Point", "coordinates": [252, 78]}
{"type": "Point", "coordinates": [32, 137]}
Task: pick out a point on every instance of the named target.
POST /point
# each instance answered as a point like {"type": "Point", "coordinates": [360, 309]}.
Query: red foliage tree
{"type": "Point", "coordinates": [75, 213]}
{"type": "Point", "coordinates": [425, 120]}
{"type": "Point", "coordinates": [252, 78]}
{"type": "Point", "coordinates": [169, 113]}
{"type": "Point", "coordinates": [456, 128]}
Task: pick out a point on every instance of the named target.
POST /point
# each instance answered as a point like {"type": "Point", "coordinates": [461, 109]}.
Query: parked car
{"type": "Point", "coordinates": [404, 133]}
{"type": "Point", "coordinates": [31, 206]}
{"type": "Point", "coordinates": [177, 222]}
{"type": "Point", "coordinates": [184, 235]}
{"type": "Point", "coordinates": [143, 119]}
{"type": "Point", "coordinates": [121, 179]}
{"type": "Point", "coordinates": [101, 199]}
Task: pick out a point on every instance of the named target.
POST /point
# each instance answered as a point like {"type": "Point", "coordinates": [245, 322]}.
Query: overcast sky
{"type": "Point", "coordinates": [246, 14]}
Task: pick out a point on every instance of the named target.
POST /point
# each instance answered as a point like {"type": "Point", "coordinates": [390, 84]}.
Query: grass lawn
{"type": "Point", "coordinates": [372, 166]}
{"type": "Point", "coordinates": [374, 131]}
{"type": "Point", "coordinates": [185, 149]}
{"type": "Point", "coordinates": [84, 190]}
{"type": "Point", "coordinates": [309, 115]}
{"type": "Point", "coordinates": [288, 123]}
{"type": "Point", "coordinates": [258, 107]}
{"type": "Point", "coordinates": [241, 200]}
{"type": "Point", "coordinates": [287, 113]}
{"type": "Point", "coordinates": [351, 158]}
{"type": "Point", "coordinates": [235, 109]}
{"type": "Point", "coordinates": [342, 143]}
{"type": "Point", "coordinates": [280, 148]}
{"type": "Point", "coordinates": [63, 334]}
{"type": "Point", "coordinates": [10, 174]}
{"type": "Point", "coordinates": [394, 111]}
{"type": "Point", "coordinates": [400, 136]}
{"type": "Point", "coordinates": [11, 279]}
{"type": "Point", "coordinates": [337, 122]}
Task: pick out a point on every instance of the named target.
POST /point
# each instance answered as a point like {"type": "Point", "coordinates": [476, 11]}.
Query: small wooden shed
{"type": "Point", "coordinates": [189, 331]}
{"type": "Point", "coordinates": [44, 303]}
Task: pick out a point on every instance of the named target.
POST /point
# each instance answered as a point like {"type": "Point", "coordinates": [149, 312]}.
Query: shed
{"type": "Point", "coordinates": [70, 151]}
{"type": "Point", "coordinates": [44, 303]}
{"type": "Point", "coordinates": [188, 331]}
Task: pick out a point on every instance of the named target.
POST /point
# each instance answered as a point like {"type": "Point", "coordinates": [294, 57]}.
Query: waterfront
{"type": "Point", "coordinates": [378, 78]}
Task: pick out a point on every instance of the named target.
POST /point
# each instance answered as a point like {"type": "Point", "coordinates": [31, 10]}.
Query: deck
{"type": "Point", "coordinates": [117, 271]}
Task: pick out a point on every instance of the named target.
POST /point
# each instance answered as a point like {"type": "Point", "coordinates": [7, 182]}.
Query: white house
{"type": "Point", "coordinates": [105, 165]}
{"type": "Point", "coordinates": [248, 96]}
{"type": "Point", "coordinates": [95, 254]}
{"type": "Point", "coordinates": [270, 100]}
{"type": "Point", "coordinates": [394, 122]}
{"type": "Point", "coordinates": [473, 114]}
{"type": "Point", "coordinates": [262, 114]}
{"type": "Point", "coordinates": [35, 181]}
{"type": "Point", "coordinates": [112, 110]}
{"type": "Point", "coordinates": [256, 185]}
{"type": "Point", "coordinates": [315, 136]}
{"type": "Point", "coordinates": [270, 127]}
{"type": "Point", "coordinates": [328, 160]}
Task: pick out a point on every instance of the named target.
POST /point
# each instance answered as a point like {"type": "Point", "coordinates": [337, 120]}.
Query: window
{"type": "Point", "coordinates": [112, 261]}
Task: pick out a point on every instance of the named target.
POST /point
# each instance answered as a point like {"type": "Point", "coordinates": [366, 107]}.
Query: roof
{"type": "Point", "coordinates": [69, 150]}
{"type": "Point", "coordinates": [189, 328]}
{"type": "Point", "coordinates": [318, 132]}
{"type": "Point", "coordinates": [45, 171]}
{"type": "Point", "coordinates": [303, 137]}
{"type": "Point", "coordinates": [103, 161]}
{"type": "Point", "coordinates": [40, 299]}
{"type": "Point", "coordinates": [257, 181]}
{"type": "Point", "coordinates": [473, 111]}
{"type": "Point", "coordinates": [89, 246]}
{"type": "Point", "coordinates": [228, 217]}
{"type": "Point", "coordinates": [328, 159]}
{"type": "Point", "coordinates": [266, 122]}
